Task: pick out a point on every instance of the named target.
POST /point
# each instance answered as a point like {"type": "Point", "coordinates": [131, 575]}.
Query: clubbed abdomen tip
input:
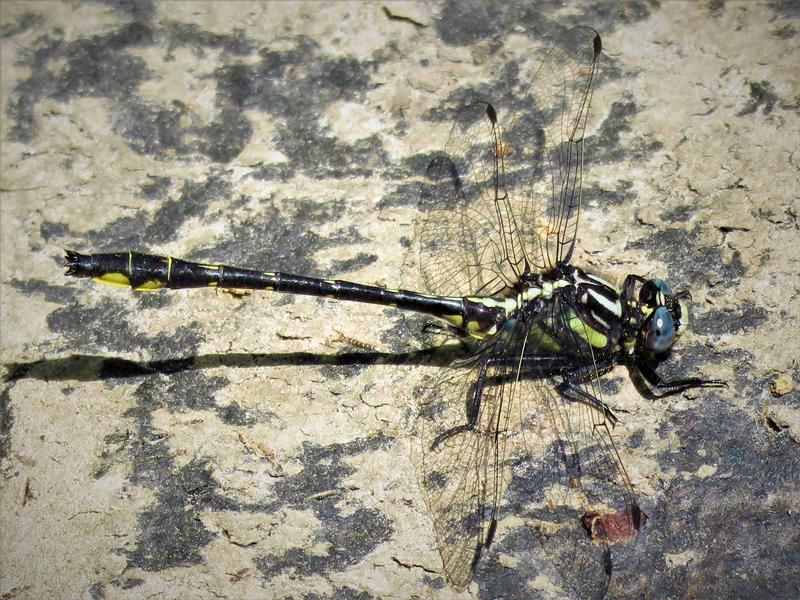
{"type": "Point", "coordinates": [77, 265]}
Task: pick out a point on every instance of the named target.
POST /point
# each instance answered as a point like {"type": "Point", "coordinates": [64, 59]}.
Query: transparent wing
{"type": "Point", "coordinates": [547, 142]}
{"type": "Point", "coordinates": [483, 224]}
{"type": "Point", "coordinates": [465, 468]}
{"type": "Point", "coordinates": [584, 510]}
{"type": "Point", "coordinates": [468, 240]}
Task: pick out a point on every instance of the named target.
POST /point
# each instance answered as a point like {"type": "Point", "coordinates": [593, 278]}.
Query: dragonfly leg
{"type": "Point", "coordinates": [537, 366]}
{"type": "Point", "coordinates": [572, 391]}
{"type": "Point", "coordinates": [473, 408]}
{"type": "Point", "coordinates": [651, 385]}
{"type": "Point", "coordinates": [571, 387]}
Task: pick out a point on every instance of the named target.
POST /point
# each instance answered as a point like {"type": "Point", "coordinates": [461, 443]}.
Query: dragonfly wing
{"type": "Point", "coordinates": [468, 243]}
{"type": "Point", "coordinates": [546, 139]}
{"type": "Point", "coordinates": [466, 469]}
{"type": "Point", "coordinates": [499, 205]}
{"type": "Point", "coordinates": [584, 509]}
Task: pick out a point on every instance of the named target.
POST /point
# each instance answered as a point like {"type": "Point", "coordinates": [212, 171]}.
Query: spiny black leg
{"type": "Point", "coordinates": [591, 370]}
{"type": "Point", "coordinates": [538, 365]}
{"type": "Point", "coordinates": [473, 408]}
{"type": "Point", "coordinates": [568, 387]}
{"type": "Point", "coordinates": [647, 375]}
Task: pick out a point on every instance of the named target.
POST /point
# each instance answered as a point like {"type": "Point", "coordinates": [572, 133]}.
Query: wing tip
{"type": "Point", "coordinates": [491, 113]}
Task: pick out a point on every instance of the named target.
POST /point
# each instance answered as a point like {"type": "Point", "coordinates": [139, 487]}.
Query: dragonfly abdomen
{"type": "Point", "coordinates": [148, 272]}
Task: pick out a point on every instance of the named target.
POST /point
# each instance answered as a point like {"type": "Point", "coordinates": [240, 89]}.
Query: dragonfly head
{"type": "Point", "coordinates": [665, 312]}
{"type": "Point", "coordinates": [654, 315]}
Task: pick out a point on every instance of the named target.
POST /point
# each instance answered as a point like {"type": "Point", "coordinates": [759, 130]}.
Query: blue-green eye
{"type": "Point", "coordinates": [653, 291]}
{"type": "Point", "coordinates": [662, 286]}
{"type": "Point", "coordinates": [661, 332]}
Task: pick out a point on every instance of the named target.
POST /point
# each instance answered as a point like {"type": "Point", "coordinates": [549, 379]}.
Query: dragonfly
{"type": "Point", "coordinates": [495, 237]}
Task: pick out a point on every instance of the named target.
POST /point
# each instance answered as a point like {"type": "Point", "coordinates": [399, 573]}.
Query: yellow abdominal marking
{"type": "Point", "coordinates": [474, 329]}
{"type": "Point", "coordinates": [114, 279]}
{"type": "Point", "coordinates": [149, 286]}
{"type": "Point", "coordinates": [456, 320]}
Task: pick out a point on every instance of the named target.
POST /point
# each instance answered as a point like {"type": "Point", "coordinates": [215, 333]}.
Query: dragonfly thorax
{"type": "Point", "coordinates": [565, 308]}
{"type": "Point", "coordinates": [569, 309]}
{"type": "Point", "coordinates": [598, 305]}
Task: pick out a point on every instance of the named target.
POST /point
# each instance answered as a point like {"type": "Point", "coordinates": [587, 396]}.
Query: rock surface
{"type": "Point", "coordinates": [202, 444]}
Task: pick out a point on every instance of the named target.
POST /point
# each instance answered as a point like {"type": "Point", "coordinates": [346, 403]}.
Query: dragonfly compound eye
{"type": "Point", "coordinates": [661, 331]}
{"type": "Point", "coordinates": [654, 291]}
